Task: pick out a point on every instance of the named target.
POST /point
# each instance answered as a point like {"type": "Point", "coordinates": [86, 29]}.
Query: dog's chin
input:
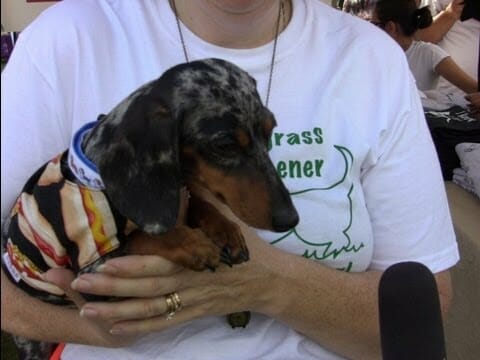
{"type": "Point", "coordinates": [216, 197]}
{"type": "Point", "coordinates": [202, 190]}
{"type": "Point", "coordinates": [246, 216]}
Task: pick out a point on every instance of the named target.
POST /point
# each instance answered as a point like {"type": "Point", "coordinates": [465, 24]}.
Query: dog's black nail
{"type": "Point", "coordinates": [244, 255]}
{"type": "Point", "coordinates": [226, 261]}
{"type": "Point", "coordinates": [211, 268]}
{"type": "Point", "coordinates": [227, 251]}
{"type": "Point", "coordinates": [226, 258]}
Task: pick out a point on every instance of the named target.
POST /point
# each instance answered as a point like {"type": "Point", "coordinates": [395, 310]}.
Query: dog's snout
{"type": "Point", "coordinates": [284, 219]}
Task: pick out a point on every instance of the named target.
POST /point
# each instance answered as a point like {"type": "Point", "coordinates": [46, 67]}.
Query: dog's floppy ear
{"type": "Point", "coordinates": [141, 169]}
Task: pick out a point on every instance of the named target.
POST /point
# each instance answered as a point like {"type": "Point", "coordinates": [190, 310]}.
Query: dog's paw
{"type": "Point", "coordinates": [228, 236]}
{"type": "Point", "coordinates": [182, 245]}
{"type": "Point", "coordinates": [198, 252]}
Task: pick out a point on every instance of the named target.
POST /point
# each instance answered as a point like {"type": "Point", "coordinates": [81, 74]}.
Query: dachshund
{"type": "Point", "coordinates": [200, 125]}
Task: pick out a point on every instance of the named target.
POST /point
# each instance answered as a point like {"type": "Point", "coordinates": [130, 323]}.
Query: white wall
{"type": "Point", "coordinates": [16, 14]}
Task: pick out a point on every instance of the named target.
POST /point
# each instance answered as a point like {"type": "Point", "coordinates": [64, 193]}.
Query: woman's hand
{"type": "Point", "coordinates": [98, 328]}
{"type": "Point", "coordinates": [455, 9]}
{"type": "Point", "coordinates": [474, 104]}
{"type": "Point", "coordinates": [145, 281]}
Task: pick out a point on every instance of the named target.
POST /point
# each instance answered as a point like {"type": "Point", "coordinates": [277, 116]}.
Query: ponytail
{"type": "Point", "coordinates": [422, 18]}
{"type": "Point", "coordinates": [405, 13]}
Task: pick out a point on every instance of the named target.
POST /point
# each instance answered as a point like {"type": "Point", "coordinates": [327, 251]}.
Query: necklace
{"type": "Point", "coordinates": [280, 18]}
{"type": "Point", "coordinates": [241, 319]}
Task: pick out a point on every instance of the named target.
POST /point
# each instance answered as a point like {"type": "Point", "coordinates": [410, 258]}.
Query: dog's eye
{"type": "Point", "coordinates": [225, 145]}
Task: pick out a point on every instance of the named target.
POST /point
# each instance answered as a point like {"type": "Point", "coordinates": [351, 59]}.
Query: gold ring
{"type": "Point", "coordinates": [176, 300]}
{"type": "Point", "coordinates": [173, 304]}
{"type": "Point", "coordinates": [171, 307]}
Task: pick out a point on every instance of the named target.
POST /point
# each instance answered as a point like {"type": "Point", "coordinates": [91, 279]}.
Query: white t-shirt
{"type": "Point", "coordinates": [351, 145]}
{"type": "Point", "coordinates": [462, 42]}
{"type": "Point", "coordinates": [423, 58]}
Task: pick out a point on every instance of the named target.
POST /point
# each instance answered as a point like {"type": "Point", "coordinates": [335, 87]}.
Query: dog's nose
{"type": "Point", "coordinates": [284, 219]}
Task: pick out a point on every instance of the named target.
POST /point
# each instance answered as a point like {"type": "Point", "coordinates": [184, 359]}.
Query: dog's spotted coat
{"type": "Point", "coordinates": [202, 125]}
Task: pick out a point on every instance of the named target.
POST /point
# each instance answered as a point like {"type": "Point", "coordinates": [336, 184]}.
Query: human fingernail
{"type": "Point", "coordinates": [107, 269]}
{"type": "Point", "coordinates": [80, 284]}
{"type": "Point", "coordinates": [116, 331]}
{"type": "Point", "coordinates": [88, 312]}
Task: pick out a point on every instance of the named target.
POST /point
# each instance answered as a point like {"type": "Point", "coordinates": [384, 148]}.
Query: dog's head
{"type": "Point", "coordinates": [202, 124]}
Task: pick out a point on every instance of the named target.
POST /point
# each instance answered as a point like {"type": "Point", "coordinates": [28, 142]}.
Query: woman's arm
{"type": "Point", "coordinates": [334, 308]}
{"type": "Point", "coordinates": [453, 73]}
{"type": "Point", "coordinates": [442, 22]}
{"type": "Point", "coordinates": [52, 323]}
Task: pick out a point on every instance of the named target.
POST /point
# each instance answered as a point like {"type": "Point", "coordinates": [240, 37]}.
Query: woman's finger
{"type": "Point", "coordinates": [63, 278]}
{"type": "Point", "coordinates": [157, 323]}
{"type": "Point", "coordinates": [149, 277]}
{"type": "Point", "coordinates": [103, 284]}
{"type": "Point", "coordinates": [138, 266]}
{"type": "Point", "coordinates": [138, 308]}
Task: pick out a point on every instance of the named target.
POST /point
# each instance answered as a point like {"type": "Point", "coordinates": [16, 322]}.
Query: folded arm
{"type": "Point", "coordinates": [334, 308]}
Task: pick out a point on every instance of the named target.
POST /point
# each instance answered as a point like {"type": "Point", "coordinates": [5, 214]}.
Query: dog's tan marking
{"type": "Point", "coordinates": [243, 139]}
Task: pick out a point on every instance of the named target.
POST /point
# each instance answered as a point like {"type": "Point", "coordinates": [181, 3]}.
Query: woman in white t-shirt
{"type": "Point", "coordinates": [456, 29]}
{"type": "Point", "coordinates": [428, 62]}
{"type": "Point", "coordinates": [351, 145]}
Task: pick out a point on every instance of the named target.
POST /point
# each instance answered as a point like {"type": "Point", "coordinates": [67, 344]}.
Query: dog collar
{"type": "Point", "coordinates": [84, 170]}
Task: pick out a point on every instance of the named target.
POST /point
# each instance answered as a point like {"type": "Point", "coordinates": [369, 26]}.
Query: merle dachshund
{"type": "Point", "coordinates": [202, 126]}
